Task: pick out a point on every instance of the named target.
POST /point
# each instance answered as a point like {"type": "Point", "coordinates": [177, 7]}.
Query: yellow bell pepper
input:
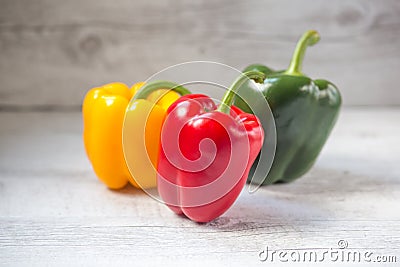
{"type": "Point", "coordinates": [142, 129]}
{"type": "Point", "coordinates": [103, 113]}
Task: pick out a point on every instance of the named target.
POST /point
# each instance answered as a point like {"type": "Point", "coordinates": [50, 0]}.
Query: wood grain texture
{"type": "Point", "coordinates": [53, 210]}
{"type": "Point", "coordinates": [51, 52]}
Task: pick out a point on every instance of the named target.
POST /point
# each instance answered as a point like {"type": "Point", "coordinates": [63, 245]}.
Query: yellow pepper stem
{"type": "Point", "coordinates": [150, 87]}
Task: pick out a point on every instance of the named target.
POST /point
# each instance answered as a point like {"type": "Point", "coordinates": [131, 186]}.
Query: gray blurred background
{"type": "Point", "coordinates": [53, 51]}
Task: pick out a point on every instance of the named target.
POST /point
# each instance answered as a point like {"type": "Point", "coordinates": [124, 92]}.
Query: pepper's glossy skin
{"type": "Point", "coordinates": [305, 112]}
{"type": "Point", "coordinates": [206, 153]}
{"type": "Point", "coordinates": [103, 113]}
{"type": "Point", "coordinates": [142, 127]}
{"type": "Point", "coordinates": [238, 129]}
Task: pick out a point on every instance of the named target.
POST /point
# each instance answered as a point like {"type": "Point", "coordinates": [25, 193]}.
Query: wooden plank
{"type": "Point", "coordinates": [53, 210]}
{"type": "Point", "coordinates": [53, 51]}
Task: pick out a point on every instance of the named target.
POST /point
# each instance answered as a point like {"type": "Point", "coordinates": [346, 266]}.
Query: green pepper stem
{"type": "Point", "coordinates": [150, 87]}
{"type": "Point", "coordinates": [309, 38]}
{"type": "Point", "coordinates": [227, 100]}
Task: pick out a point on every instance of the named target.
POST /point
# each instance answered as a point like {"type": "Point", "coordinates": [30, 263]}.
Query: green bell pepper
{"type": "Point", "coordinates": [304, 110]}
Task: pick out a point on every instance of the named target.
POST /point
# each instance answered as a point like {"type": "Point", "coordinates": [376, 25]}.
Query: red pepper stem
{"type": "Point", "coordinates": [309, 38]}
{"type": "Point", "coordinates": [227, 100]}
{"type": "Point", "coordinates": [150, 87]}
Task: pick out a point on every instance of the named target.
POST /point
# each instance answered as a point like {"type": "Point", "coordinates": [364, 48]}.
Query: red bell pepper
{"type": "Point", "coordinates": [206, 153]}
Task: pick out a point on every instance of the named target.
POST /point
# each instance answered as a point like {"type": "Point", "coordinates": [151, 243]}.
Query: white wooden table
{"type": "Point", "coordinates": [54, 211]}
